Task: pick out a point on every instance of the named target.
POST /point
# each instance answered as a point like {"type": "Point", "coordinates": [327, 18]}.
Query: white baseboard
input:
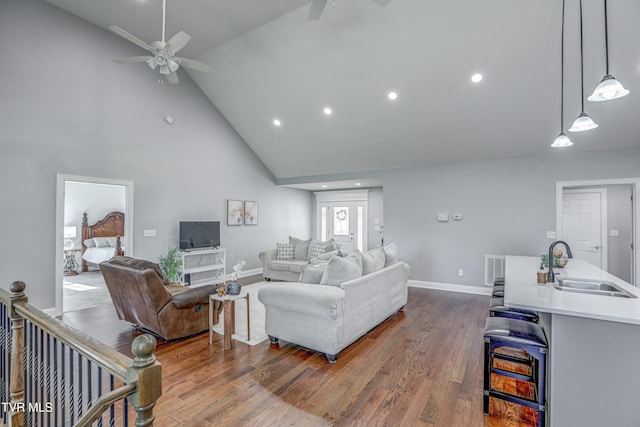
{"type": "Point", "coordinates": [246, 273]}
{"type": "Point", "coordinates": [478, 290]}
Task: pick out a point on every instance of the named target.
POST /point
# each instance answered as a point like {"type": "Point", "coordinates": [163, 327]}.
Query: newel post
{"type": "Point", "coordinates": [147, 371]}
{"type": "Point", "coordinates": [16, 376]}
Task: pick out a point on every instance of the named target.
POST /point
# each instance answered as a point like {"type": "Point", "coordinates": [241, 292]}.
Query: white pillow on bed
{"type": "Point", "coordinates": [112, 241]}
{"type": "Point", "coordinates": [89, 243]}
{"type": "Point", "coordinates": [102, 242]}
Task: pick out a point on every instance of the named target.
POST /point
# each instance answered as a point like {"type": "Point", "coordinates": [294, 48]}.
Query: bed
{"type": "Point", "coordinates": [102, 240]}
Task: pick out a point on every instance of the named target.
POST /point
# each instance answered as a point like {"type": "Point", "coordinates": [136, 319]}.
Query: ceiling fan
{"type": "Point", "coordinates": [162, 53]}
{"type": "Point", "coordinates": [317, 7]}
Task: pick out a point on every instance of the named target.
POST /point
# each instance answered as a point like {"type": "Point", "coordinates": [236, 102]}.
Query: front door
{"type": "Point", "coordinates": [583, 224]}
{"type": "Point", "coordinates": [344, 222]}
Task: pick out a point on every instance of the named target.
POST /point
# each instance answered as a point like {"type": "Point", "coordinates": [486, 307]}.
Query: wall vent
{"type": "Point", "coordinates": [493, 267]}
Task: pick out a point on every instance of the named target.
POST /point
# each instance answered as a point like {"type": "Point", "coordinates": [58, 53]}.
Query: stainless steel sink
{"type": "Point", "coordinates": [593, 287]}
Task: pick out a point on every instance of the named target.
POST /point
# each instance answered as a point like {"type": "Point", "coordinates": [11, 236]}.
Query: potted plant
{"type": "Point", "coordinates": [233, 288]}
{"type": "Point", "coordinates": [171, 265]}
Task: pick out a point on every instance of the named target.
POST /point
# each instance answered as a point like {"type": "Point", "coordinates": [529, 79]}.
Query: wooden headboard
{"type": "Point", "coordinates": [109, 226]}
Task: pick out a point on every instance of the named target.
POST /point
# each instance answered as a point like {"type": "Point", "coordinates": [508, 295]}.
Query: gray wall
{"type": "Point", "coordinates": [619, 218]}
{"type": "Point", "coordinates": [68, 108]}
{"type": "Point", "coordinates": [507, 206]}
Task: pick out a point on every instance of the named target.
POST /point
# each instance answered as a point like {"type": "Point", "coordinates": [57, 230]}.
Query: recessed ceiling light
{"type": "Point", "coordinates": [392, 96]}
{"type": "Point", "coordinates": [476, 77]}
{"type": "Point", "coordinates": [358, 184]}
{"type": "Point", "coordinates": [277, 122]}
{"type": "Point", "coordinates": [324, 186]}
{"type": "Point", "coordinates": [328, 111]}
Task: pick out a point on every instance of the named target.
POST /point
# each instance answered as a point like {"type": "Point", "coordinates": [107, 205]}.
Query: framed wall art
{"type": "Point", "coordinates": [234, 212]}
{"type": "Point", "coordinates": [250, 213]}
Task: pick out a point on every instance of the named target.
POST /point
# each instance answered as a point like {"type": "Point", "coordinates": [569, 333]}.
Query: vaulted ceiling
{"type": "Point", "coordinates": [271, 62]}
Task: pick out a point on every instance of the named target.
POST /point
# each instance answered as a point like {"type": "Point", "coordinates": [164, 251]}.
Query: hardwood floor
{"type": "Point", "coordinates": [422, 367]}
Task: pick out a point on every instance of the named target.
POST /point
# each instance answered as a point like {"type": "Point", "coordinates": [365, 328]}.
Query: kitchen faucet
{"type": "Point", "coordinates": [551, 277]}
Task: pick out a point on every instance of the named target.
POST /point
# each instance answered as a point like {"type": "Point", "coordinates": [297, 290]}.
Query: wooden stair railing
{"type": "Point", "coordinates": [52, 374]}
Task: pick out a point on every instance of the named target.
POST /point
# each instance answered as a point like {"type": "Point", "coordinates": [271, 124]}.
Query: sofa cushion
{"type": "Point", "coordinates": [290, 265]}
{"type": "Point", "coordinates": [312, 273]}
{"type": "Point", "coordinates": [390, 254]}
{"type": "Point", "coordinates": [286, 251]}
{"type": "Point", "coordinates": [323, 258]}
{"type": "Point", "coordinates": [315, 250]}
{"type": "Point", "coordinates": [301, 251]}
{"type": "Point", "coordinates": [340, 270]}
{"type": "Point", "coordinates": [373, 261]}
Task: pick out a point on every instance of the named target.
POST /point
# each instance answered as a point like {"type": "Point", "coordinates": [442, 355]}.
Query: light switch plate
{"type": "Point", "coordinates": [614, 233]}
{"type": "Point", "coordinates": [551, 234]}
{"type": "Point", "coordinates": [149, 233]}
{"type": "Point", "coordinates": [443, 217]}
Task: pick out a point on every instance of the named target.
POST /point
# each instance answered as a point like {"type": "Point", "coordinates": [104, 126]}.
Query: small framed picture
{"type": "Point", "coordinates": [250, 213]}
{"type": "Point", "coordinates": [234, 212]}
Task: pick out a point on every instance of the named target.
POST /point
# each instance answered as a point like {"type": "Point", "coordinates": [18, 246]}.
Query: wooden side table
{"type": "Point", "coordinates": [229, 317]}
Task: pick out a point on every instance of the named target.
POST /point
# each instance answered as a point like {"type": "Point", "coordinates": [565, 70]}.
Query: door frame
{"type": "Point", "coordinates": [635, 217]}
{"type": "Point", "coordinates": [351, 196]}
{"type": "Point", "coordinates": [61, 179]}
{"type": "Point", "coordinates": [604, 253]}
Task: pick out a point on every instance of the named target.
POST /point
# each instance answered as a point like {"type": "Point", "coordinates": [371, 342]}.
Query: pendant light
{"type": "Point", "coordinates": [609, 88]}
{"type": "Point", "coordinates": [583, 122]}
{"type": "Point", "coordinates": [562, 140]}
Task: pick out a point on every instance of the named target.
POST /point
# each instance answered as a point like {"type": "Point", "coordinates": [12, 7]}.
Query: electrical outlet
{"type": "Point", "coordinates": [460, 272]}
{"type": "Point", "coordinates": [149, 233]}
{"type": "Point", "coordinates": [443, 217]}
{"type": "Point", "coordinates": [614, 233]}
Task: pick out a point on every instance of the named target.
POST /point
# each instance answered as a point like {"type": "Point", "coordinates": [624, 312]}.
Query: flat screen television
{"type": "Point", "coordinates": [199, 234]}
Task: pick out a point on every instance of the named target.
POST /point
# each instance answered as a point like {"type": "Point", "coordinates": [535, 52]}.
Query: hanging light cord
{"type": "Point", "coordinates": [562, 72]}
{"type": "Point", "coordinates": [581, 62]}
{"type": "Point", "coordinates": [606, 38]}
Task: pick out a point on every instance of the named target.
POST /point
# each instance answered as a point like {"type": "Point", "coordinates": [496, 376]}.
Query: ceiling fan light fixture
{"type": "Point", "coordinates": [561, 141]}
{"type": "Point", "coordinates": [151, 62]}
{"type": "Point", "coordinates": [608, 89]}
{"type": "Point", "coordinates": [173, 65]}
{"type": "Point", "coordinates": [164, 69]}
{"type": "Point", "coordinates": [582, 123]}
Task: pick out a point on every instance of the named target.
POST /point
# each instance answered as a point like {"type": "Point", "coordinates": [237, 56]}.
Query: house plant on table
{"type": "Point", "coordinates": [170, 265]}
{"type": "Point", "coordinates": [233, 288]}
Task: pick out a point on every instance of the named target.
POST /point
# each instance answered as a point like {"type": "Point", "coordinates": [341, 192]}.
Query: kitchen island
{"type": "Point", "coordinates": [594, 340]}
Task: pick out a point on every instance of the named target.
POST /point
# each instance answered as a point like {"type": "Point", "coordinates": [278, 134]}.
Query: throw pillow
{"type": "Point", "coordinates": [312, 273]}
{"type": "Point", "coordinates": [89, 243]}
{"type": "Point", "coordinates": [286, 251]}
{"type": "Point", "coordinates": [323, 257]}
{"type": "Point", "coordinates": [390, 254]}
{"type": "Point", "coordinates": [326, 244]}
{"type": "Point", "coordinates": [301, 248]}
{"type": "Point", "coordinates": [315, 250]}
{"type": "Point", "coordinates": [373, 261]}
{"type": "Point", "coordinates": [340, 270]}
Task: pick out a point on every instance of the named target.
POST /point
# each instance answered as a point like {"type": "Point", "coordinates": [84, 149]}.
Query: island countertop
{"type": "Point", "coordinates": [522, 291]}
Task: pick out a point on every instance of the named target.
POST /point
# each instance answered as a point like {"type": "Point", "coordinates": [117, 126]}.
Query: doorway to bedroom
{"type": "Point", "coordinates": [95, 219]}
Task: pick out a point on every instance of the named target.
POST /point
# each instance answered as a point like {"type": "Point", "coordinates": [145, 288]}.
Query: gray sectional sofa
{"type": "Point", "coordinates": [330, 315]}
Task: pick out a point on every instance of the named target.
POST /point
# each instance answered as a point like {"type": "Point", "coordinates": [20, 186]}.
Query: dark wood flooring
{"type": "Point", "coordinates": [421, 367]}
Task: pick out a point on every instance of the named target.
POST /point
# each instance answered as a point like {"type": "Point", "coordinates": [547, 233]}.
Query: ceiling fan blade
{"type": "Point", "coordinates": [133, 59]}
{"type": "Point", "coordinates": [316, 9]}
{"type": "Point", "coordinates": [195, 65]}
{"type": "Point", "coordinates": [172, 78]}
{"type": "Point", "coordinates": [382, 3]}
{"type": "Point", "coordinates": [178, 41]}
{"type": "Point", "coordinates": [133, 39]}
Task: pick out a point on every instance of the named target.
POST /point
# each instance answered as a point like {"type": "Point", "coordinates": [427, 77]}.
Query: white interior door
{"type": "Point", "coordinates": [584, 224]}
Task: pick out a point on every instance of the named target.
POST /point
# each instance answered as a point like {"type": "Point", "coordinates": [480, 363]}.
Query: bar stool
{"type": "Point", "coordinates": [498, 291]}
{"type": "Point", "coordinates": [499, 281]}
{"type": "Point", "coordinates": [529, 337]}
{"type": "Point", "coordinates": [498, 309]}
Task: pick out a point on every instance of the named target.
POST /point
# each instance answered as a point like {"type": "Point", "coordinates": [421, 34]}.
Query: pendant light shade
{"type": "Point", "coordinates": [582, 123]}
{"type": "Point", "coordinates": [562, 140]}
{"type": "Point", "coordinates": [609, 88]}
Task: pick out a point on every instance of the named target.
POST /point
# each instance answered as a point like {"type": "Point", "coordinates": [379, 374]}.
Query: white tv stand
{"type": "Point", "coordinates": [203, 266]}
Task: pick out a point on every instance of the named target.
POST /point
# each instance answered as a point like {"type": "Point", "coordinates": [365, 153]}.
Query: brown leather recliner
{"type": "Point", "coordinates": [142, 295]}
